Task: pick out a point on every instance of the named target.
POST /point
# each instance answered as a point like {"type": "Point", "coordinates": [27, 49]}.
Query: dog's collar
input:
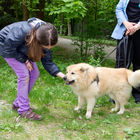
{"type": "Point", "coordinates": [96, 79]}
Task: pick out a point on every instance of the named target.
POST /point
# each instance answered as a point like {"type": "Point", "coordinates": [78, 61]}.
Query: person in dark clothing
{"type": "Point", "coordinates": [22, 44]}
{"type": "Point", "coordinates": [128, 16]}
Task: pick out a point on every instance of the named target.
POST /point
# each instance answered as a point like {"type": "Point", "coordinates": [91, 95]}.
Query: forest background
{"type": "Point", "coordinates": [94, 18]}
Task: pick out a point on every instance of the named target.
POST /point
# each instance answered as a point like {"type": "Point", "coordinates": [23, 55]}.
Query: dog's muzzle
{"type": "Point", "coordinates": [70, 82]}
{"type": "Point", "coordinates": [67, 81]}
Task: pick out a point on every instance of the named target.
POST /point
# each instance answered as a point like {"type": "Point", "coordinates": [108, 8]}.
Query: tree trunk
{"type": "Point", "coordinates": [25, 11]}
{"type": "Point", "coordinates": [61, 29]}
{"type": "Point", "coordinates": [46, 14]}
{"type": "Point", "coordinates": [31, 7]}
{"type": "Point", "coordinates": [69, 28]}
{"type": "Point", "coordinates": [61, 26]}
{"type": "Point", "coordinates": [41, 7]}
{"type": "Point", "coordinates": [96, 8]}
{"type": "Point", "coordinates": [16, 5]}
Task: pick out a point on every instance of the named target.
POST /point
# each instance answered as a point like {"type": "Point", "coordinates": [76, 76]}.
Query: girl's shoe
{"type": "Point", "coordinates": [29, 114]}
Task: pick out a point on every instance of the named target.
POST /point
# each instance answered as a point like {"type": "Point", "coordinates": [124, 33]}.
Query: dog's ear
{"type": "Point", "coordinates": [82, 69]}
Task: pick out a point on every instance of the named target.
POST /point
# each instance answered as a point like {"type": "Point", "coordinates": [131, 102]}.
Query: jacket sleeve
{"type": "Point", "coordinates": [21, 57]}
{"type": "Point", "coordinates": [120, 12]}
{"type": "Point", "coordinates": [14, 41]}
{"type": "Point", "coordinates": [48, 64]}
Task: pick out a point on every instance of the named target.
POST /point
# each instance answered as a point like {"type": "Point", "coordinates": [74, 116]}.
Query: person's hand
{"type": "Point", "coordinates": [130, 27]}
{"type": "Point", "coordinates": [29, 65]}
{"type": "Point", "coordinates": [60, 74]}
{"type": "Point", "coordinates": [137, 26]}
{"type": "Point", "coordinates": [133, 29]}
{"type": "Point", "coordinates": [127, 33]}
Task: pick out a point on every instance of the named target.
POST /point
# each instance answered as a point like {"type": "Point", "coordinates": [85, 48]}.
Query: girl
{"type": "Point", "coordinates": [22, 44]}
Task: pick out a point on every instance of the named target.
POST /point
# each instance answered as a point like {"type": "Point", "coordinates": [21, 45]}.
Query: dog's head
{"type": "Point", "coordinates": [79, 74]}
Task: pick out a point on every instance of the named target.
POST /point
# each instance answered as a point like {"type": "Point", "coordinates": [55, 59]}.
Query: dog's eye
{"type": "Point", "coordinates": [72, 73]}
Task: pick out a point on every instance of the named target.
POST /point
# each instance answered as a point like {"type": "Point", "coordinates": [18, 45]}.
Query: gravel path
{"type": "Point", "coordinates": [67, 44]}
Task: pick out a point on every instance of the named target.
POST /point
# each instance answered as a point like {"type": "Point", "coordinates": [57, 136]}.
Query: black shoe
{"type": "Point", "coordinates": [112, 101]}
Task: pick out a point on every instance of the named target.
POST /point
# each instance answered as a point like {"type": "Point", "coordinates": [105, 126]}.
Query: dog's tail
{"type": "Point", "coordinates": [134, 78]}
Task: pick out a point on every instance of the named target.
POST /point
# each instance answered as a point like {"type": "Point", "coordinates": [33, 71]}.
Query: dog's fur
{"type": "Point", "coordinates": [90, 82]}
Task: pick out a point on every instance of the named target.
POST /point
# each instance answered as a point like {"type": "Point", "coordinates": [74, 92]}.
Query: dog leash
{"type": "Point", "coordinates": [106, 56]}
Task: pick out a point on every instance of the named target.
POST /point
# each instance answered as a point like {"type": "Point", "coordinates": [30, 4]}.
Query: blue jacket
{"type": "Point", "coordinates": [13, 45]}
{"type": "Point", "coordinates": [121, 17]}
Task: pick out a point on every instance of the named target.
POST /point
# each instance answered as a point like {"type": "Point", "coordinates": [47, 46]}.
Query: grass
{"type": "Point", "coordinates": [55, 101]}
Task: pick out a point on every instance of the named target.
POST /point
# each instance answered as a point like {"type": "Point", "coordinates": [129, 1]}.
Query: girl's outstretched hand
{"type": "Point", "coordinates": [60, 74]}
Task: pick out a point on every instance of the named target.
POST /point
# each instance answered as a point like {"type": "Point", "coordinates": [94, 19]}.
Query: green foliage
{"type": "Point", "coordinates": [70, 8]}
{"type": "Point", "coordinates": [85, 46]}
{"type": "Point", "coordinates": [107, 15]}
{"type": "Point", "coordinates": [32, 7]}
{"type": "Point", "coordinates": [11, 127]}
{"type": "Point", "coordinates": [131, 132]}
{"type": "Point", "coordinates": [97, 16]}
{"type": "Point", "coordinates": [99, 51]}
{"type": "Point", "coordinates": [4, 20]}
{"type": "Point", "coordinates": [82, 46]}
{"type": "Point", "coordinates": [93, 61]}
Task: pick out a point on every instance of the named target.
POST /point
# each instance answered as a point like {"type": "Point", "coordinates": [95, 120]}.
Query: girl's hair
{"type": "Point", "coordinates": [45, 35]}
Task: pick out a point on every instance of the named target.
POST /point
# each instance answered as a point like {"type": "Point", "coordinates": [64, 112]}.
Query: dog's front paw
{"type": "Point", "coordinates": [114, 110]}
{"type": "Point", "coordinates": [120, 112]}
{"type": "Point", "coordinates": [88, 115]}
{"type": "Point", "coordinates": [76, 108]}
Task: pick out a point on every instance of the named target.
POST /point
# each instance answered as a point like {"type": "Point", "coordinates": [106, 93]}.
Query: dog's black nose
{"type": "Point", "coordinates": [65, 78]}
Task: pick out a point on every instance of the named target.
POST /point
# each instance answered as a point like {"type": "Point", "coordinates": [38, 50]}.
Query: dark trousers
{"type": "Point", "coordinates": [134, 48]}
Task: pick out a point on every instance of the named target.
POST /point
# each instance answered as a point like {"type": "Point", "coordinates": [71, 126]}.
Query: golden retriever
{"type": "Point", "coordinates": [90, 82]}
